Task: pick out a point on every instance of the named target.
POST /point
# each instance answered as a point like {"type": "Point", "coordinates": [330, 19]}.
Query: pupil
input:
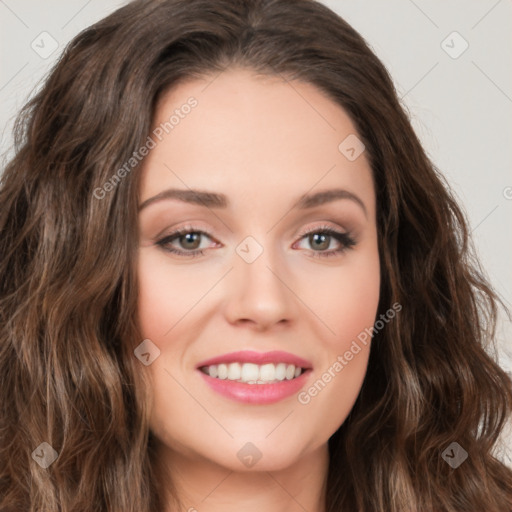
{"type": "Point", "coordinates": [323, 238]}
{"type": "Point", "coordinates": [191, 238]}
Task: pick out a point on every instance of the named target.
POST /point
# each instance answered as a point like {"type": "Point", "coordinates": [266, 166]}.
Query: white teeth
{"type": "Point", "coordinates": [234, 371]}
{"type": "Point", "coordinates": [251, 373]}
{"type": "Point", "coordinates": [290, 371]}
{"type": "Point", "coordinates": [280, 371]}
{"type": "Point", "coordinates": [268, 372]}
{"type": "Point", "coordinates": [223, 371]}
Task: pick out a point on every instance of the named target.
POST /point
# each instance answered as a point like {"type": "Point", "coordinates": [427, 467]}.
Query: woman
{"type": "Point", "coordinates": [319, 346]}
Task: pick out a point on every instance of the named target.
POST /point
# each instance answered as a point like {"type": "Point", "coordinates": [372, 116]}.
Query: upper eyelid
{"type": "Point", "coordinates": [196, 229]}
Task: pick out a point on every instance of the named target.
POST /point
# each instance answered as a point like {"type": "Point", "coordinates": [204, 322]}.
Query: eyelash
{"type": "Point", "coordinates": [345, 239]}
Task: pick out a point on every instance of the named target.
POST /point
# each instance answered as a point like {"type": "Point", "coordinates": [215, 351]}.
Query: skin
{"type": "Point", "coordinates": [263, 142]}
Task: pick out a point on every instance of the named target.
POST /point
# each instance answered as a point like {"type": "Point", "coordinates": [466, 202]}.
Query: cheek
{"type": "Point", "coordinates": [346, 301]}
{"type": "Point", "coordinates": [166, 294]}
{"type": "Point", "coordinates": [349, 309]}
{"type": "Point", "coordinates": [154, 317]}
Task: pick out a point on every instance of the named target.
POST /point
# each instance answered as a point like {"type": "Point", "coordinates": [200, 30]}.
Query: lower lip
{"type": "Point", "coordinates": [256, 393]}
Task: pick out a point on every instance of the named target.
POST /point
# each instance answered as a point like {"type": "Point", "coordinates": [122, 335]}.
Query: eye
{"type": "Point", "coordinates": [189, 242]}
{"type": "Point", "coordinates": [321, 239]}
{"type": "Point", "coordinates": [186, 242]}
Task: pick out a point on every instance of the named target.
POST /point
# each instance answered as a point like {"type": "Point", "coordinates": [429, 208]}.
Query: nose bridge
{"type": "Point", "coordinates": [257, 290]}
{"type": "Point", "coordinates": [257, 264]}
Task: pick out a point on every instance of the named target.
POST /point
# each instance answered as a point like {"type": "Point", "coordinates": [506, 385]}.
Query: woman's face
{"type": "Point", "coordinates": [248, 157]}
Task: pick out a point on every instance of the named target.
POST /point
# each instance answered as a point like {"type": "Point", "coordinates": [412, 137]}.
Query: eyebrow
{"type": "Point", "coordinates": [215, 200]}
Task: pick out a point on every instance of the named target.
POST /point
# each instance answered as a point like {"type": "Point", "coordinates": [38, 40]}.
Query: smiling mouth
{"type": "Point", "coordinates": [250, 373]}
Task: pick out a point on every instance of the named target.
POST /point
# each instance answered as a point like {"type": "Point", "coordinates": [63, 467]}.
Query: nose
{"type": "Point", "coordinates": [259, 294]}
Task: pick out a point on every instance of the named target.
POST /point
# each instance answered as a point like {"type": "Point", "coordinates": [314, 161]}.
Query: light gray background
{"type": "Point", "coordinates": [460, 105]}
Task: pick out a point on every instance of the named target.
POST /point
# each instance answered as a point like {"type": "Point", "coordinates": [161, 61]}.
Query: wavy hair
{"type": "Point", "coordinates": [68, 284]}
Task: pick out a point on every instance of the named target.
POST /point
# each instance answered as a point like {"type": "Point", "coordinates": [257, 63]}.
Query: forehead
{"type": "Point", "coordinates": [251, 132]}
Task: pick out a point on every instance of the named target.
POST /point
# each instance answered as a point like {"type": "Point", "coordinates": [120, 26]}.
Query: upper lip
{"type": "Point", "coordinates": [250, 356]}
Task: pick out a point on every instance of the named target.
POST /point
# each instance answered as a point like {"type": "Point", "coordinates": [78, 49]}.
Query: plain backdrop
{"type": "Point", "coordinates": [449, 63]}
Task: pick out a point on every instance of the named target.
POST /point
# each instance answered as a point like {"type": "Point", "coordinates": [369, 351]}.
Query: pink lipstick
{"type": "Point", "coordinates": [255, 377]}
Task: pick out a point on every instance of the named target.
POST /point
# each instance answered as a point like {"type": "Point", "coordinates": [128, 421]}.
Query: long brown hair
{"type": "Point", "coordinates": [68, 292]}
